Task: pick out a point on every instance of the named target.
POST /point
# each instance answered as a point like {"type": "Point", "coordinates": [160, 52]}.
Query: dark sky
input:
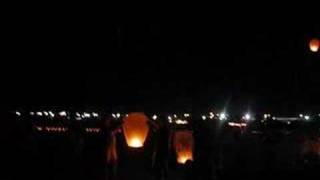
{"type": "Point", "coordinates": [236, 63]}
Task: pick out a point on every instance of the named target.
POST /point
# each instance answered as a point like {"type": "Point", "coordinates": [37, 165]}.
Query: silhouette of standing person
{"type": "Point", "coordinates": [161, 152]}
{"type": "Point", "coordinates": [111, 131]}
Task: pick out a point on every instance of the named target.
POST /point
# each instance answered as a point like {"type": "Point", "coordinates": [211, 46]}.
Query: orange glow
{"type": "Point", "coordinates": [184, 157]}
{"type": "Point", "coordinates": [183, 144]}
{"type": "Point", "coordinates": [135, 128]}
{"type": "Point", "coordinates": [314, 45]}
{"type": "Point", "coordinates": [112, 155]}
{"type": "Point", "coordinates": [135, 142]}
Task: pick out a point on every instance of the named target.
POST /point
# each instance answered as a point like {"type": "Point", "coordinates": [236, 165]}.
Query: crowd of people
{"type": "Point", "coordinates": [260, 150]}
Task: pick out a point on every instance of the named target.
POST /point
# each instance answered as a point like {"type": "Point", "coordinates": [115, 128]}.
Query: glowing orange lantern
{"type": "Point", "coordinates": [314, 45]}
{"type": "Point", "coordinates": [183, 143]}
{"type": "Point", "coordinates": [135, 128]}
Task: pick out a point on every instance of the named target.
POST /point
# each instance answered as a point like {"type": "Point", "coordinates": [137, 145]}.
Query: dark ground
{"type": "Point", "coordinates": [229, 155]}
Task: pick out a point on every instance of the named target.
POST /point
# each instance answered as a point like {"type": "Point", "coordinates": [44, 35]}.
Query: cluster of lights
{"type": "Point", "coordinates": [78, 116]}
{"type": "Point", "coordinates": [92, 130]}
{"type": "Point", "coordinates": [265, 116]}
{"type": "Point", "coordinates": [48, 113]}
{"type": "Point", "coordinates": [116, 115]}
{"type": "Point", "coordinates": [305, 117]}
{"type": "Point", "coordinates": [171, 118]}
{"type": "Point", "coordinates": [52, 129]}
{"type": "Point", "coordinates": [211, 115]}
{"type": "Point", "coordinates": [222, 116]}
{"type": "Point", "coordinates": [240, 125]}
{"type": "Point", "coordinates": [180, 121]}
{"type": "Point", "coordinates": [175, 119]}
{"type": "Point", "coordinates": [85, 115]}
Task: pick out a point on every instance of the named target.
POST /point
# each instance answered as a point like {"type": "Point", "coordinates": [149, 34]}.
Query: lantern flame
{"type": "Point", "coordinates": [135, 142]}
{"type": "Point", "coordinates": [184, 157]}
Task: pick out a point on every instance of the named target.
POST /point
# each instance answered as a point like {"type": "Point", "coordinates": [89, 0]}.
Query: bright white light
{"type": "Point", "coordinates": [78, 118]}
{"type": "Point", "coordinates": [186, 115]}
{"type": "Point", "coordinates": [118, 115]}
{"type": "Point", "coordinates": [113, 115]}
{"type": "Point", "coordinates": [87, 115]}
{"type": "Point", "coordinates": [170, 118]}
{"type": "Point", "coordinates": [179, 121]}
{"type": "Point", "coordinates": [31, 113]}
{"type": "Point", "coordinates": [203, 117]}
{"type": "Point", "coordinates": [223, 116]}
{"type": "Point", "coordinates": [18, 113]}
{"type": "Point", "coordinates": [211, 115]}
{"type": "Point", "coordinates": [175, 116]}
{"type": "Point", "coordinates": [240, 125]}
{"type": "Point", "coordinates": [78, 114]}
{"type": "Point", "coordinates": [45, 113]}
{"type": "Point", "coordinates": [127, 115]}
{"type": "Point", "coordinates": [170, 121]}
{"type": "Point", "coordinates": [95, 114]}
{"type": "Point", "coordinates": [273, 118]}
{"type": "Point", "coordinates": [247, 116]}
{"type": "Point", "coordinates": [301, 115]}
{"type": "Point", "coordinates": [63, 113]}
{"type": "Point", "coordinates": [154, 117]}
{"type": "Point", "coordinates": [306, 117]}
{"type": "Point", "coordinates": [265, 116]}
{"type": "Point", "coordinates": [39, 113]}
{"type": "Point", "coordinates": [51, 113]}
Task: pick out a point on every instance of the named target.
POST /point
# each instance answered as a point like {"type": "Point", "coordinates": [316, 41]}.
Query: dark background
{"type": "Point", "coordinates": [236, 63]}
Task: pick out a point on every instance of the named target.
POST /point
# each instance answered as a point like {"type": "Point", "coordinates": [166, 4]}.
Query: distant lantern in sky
{"type": "Point", "coordinates": [314, 45]}
{"type": "Point", "coordinates": [135, 128]}
{"type": "Point", "coordinates": [183, 145]}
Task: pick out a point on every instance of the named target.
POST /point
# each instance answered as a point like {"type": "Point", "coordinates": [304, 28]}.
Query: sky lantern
{"type": "Point", "coordinates": [183, 143]}
{"type": "Point", "coordinates": [314, 45]}
{"type": "Point", "coordinates": [135, 128]}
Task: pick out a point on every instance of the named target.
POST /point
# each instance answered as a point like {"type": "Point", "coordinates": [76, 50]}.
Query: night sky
{"type": "Point", "coordinates": [237, 64]}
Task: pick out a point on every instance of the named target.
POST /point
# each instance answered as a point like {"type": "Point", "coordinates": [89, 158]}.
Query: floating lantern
{"type": "Point", "coordinates": [135, 128]}
{"type": "Point", "coordinates": [314, 45]}
{"type": "Point", "coordinates": [183, 143]}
